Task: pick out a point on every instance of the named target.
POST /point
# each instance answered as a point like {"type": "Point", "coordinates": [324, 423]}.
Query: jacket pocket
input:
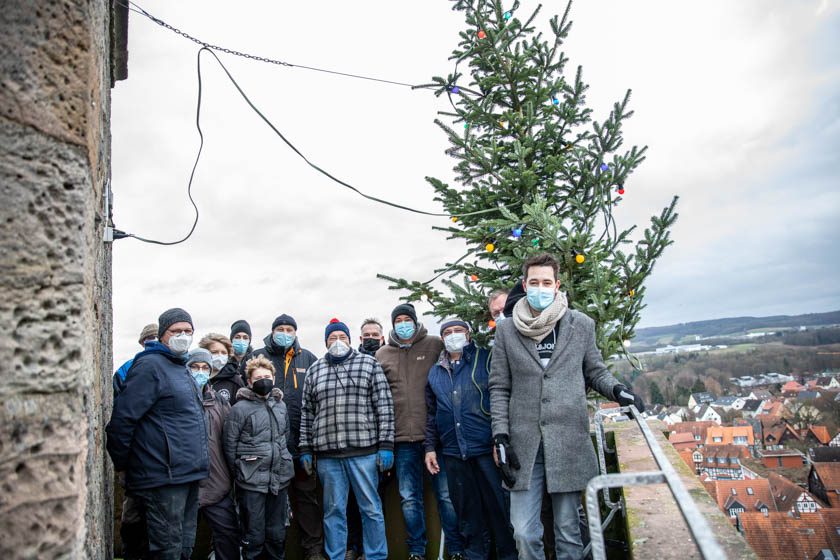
{"type": "Point", "coordinates": [287, 466]}
{"type": "Point", "coordinates": [248, 467]}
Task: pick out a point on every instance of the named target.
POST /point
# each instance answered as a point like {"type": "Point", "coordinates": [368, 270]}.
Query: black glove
{"type": "Point", "coordinates": [626, 397]}
{"type": "Point", "coordinates": [508, 461]}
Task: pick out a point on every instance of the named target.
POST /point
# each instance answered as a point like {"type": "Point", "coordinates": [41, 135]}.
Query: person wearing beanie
{"type": "Point", "coordinates": [459, 442]}
{"type": "Point", "coordinates": [291, 362]}
{"type": "Point", "coordinates": [347, 435]}
{"type": "Point", "coordinates": [406, 360]}
{"type": "Point", "coordinates": [214, 501]}
{"type": "Point", "coordinates": [132, 527]}
{"type": "Point", "coordinates": [224, 376]}
{"type": "Point", "coordinates": [545, 360]}
{"type": "Point", "coordinates": [255, 446]}
{"type": "Point", "coordinates": [240, 337]}
{"type": "Point", "coordinates": [157, 437]}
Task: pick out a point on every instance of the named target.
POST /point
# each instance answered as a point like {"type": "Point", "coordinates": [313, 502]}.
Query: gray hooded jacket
{"type": "Point", "coordinates": [255, 436]}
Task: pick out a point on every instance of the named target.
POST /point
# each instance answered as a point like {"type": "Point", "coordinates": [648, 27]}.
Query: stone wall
{"type": "Point", "coordinates": [55, 280]}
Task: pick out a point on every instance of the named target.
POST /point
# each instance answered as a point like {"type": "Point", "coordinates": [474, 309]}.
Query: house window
{"type": "Point", "coordinates": [722, 460]}
{"type": "Point", "coordinates": [733, 460]}
{"type": "Point", "coordinates": [696, 437]}
{"type": "Point", "coordinates": [717, 439]}
{"type": "Point", "coordinates": [698, 458]}
{"type": "Point", "coordinates": [734, 492]}
{"type": "Point", "coordinates": [740, 440]}
{"type": "Point", "coordinates": [750, 491]}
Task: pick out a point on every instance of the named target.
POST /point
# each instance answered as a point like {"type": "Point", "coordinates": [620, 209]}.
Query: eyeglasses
{"type": "Point", "coordinates": [198, 369]}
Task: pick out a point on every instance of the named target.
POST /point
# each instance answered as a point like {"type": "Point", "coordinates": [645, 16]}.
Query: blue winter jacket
{"type": "Point", "coordinates": [458, 405]}
{"type": "Point", "coordinates": [157, 433]}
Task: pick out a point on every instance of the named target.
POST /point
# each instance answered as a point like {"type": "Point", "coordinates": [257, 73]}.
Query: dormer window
{"type": "Point", "coordinates": [734, 492]}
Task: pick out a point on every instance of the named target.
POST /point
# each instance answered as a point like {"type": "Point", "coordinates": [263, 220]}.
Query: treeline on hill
{"type": "Point", "coordinates": [734, 325]}
{"type": "Point", "coordinates": [670, 379]}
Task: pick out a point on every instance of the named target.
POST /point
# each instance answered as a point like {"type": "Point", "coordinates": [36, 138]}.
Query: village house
{"type": "Point", "coordinates": [725, 435]}
{"type": "Point", "coordinates": [778, 535]}
{"type": "Point", "coordinates": [760, 395]}
{"type": "Point", "coordinates": [697, 399]}
{"type": "Point", "coordinates": [782, 458]}
{"type": "Point", "coordinates": [792, 388]}
{"type": "Point", "coordinates": [824, 482]}
{"type": "Point", "coordinates": [790, 497]}
{"type": "Point", "coordinates": [737, 496]}
{"type": "Point", "coordinates": [835, 441]}
{"type": "Point", "coordinates": [696, 429]}
{"type": "Point", "coordinates": [722, 462]}
{"type": "Point", "coordinates": [707, 413]}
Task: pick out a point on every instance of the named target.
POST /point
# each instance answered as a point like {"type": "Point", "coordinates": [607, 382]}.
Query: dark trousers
{"type": "Point", "coordinates": [224, 528]}
{"type": "Point", "coordinates": [171, 514]}
{"type": "Point", "coordinates": [354, 517]}
{"type": "Point", "coordinates": [305, 497]}
{"type": "Point", "coordinates": [135, 541]}
{"type": "Point", "coordinates": [547, 518]}
{"type": "Point", "coordinates": [481, 503]}
{"type": "Point", "coordinates": [263, 524]}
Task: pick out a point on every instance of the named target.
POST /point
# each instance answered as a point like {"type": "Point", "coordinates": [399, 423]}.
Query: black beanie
{"type": "Point", "coordinates": [170, 317]}
{"type": "Point", "coordinates": [404, 309]}
{"type": "Point", "coordinates": [240, 326]}
{"type": "Point", "coordinates": [284, 320]}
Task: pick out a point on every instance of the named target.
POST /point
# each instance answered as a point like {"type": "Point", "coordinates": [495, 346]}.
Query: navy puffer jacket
{"type": "Point", "coordinates": [157, 433]}
{"type": "Point", "coordinates": [458, 405]}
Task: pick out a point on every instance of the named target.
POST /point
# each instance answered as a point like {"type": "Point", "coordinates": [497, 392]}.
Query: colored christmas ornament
{"type": "Point", "coordinates": [466, 126]}
{"type": "Point", "coordinates": [535, 242]}
{"type": "Point", "coordinates": [620, 190]}
{"type": "Point", "coordinates": [491, 323]}
{"type": "Point", "coordinates": [454, 219]}
{"type": "Point", "coordinates": [580, 259]}
{"type": "Point", "coordinates": [454, 89]}
{"type": "Point", "coordinates": [517, 233]}
{"type": "Point", "coordinates": [605, 167]}
{"type": "Point", "coordinates": [473, 277]}
{"type": "Point", "coordinates": [503, 124]}
{"type": "Point", "coordinates": [507, 16]}
{"type": "Point", "coordinates": [491, 229]}
{"type": "Point", "coordinates": [632, 292]}
{"type": "Point", "coordinates": [626, 343]}
{"type": "Point", "coordinates": [481, 34]}
{"type": "Point", "coordinates": [490, 247]}
{"type": "Point", "coordinates": [555, 101]}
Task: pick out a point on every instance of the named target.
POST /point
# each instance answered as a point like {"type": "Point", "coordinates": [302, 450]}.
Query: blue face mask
{"type": "Point", "coordinates": [240, 346]}
{"type": "Point", "coordinates": [540, 298]}
{"type": "Point", "coordinates": [283, 340]}
{"type": "Point", "coordinates": [404, 330]}
{"type": "Point", "coordinates": [200, 378]}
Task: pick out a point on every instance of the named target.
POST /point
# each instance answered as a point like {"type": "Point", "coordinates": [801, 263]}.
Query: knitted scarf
{"type": "Point", "coordinates": [538, 327]}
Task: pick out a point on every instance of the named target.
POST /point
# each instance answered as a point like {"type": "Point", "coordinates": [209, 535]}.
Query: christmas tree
{"type": "Point", "coordinates": [535, 174]}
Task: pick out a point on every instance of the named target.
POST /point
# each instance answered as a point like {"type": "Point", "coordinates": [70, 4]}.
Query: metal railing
{"type": "Point", "coordinates": [700, 530]}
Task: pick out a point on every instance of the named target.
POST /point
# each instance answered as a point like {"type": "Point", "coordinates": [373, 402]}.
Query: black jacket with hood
{"type": "Point", "coordinates": [227, 382]}
{"type": "Point", "coordinates": [290, 366]}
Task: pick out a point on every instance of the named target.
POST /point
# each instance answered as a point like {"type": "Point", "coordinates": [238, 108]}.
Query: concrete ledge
{"type": "Point", "coordinates": [656, 528]}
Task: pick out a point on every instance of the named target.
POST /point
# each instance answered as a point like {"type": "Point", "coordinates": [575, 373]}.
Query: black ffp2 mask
{"type": "Point", "coordinates": [262, 387]}
{"type": "Point", "coordinates": [371, 344]}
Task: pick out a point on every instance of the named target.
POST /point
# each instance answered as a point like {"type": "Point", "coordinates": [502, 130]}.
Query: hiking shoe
{"type": "Point", "coordinates": [351, 555]}
{"type": "Point", "coordinates": [456, 556]}
{"type": "Point", "coordinates": [416, 557]}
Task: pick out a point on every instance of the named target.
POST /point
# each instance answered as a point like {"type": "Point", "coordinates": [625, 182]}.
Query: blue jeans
{"type": "Point", "coordinates": [337, 477]}
{"type": "Point", "coordinates": [410, 468]}
{"type": "Point", "coordinates": [525, 507]}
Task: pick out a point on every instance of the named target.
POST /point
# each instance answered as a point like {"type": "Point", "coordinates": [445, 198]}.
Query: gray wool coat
{"type": "Point", "coordinates": [532, 404]}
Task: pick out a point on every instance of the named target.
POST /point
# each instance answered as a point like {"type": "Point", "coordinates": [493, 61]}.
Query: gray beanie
{"type": "Point", "coordinates": [200, 355]}
{"type": "Point", "coordinates": [172, 316]}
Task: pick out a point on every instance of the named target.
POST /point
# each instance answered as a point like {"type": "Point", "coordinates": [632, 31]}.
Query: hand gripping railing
{"type": "Point", "coordinates": [700, 530]}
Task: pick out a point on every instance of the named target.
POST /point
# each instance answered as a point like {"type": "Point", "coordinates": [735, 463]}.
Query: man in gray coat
{"type": "Point", "coordinates": [544, 362]}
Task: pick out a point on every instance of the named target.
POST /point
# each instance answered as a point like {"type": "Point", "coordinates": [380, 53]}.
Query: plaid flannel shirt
{"type": "Point", "coordinates": [346, 407]}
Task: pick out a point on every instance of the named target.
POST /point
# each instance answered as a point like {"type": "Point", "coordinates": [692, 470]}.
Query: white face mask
{"type": "Point", "coordinates": [338, 349]}
{"type": "Point", "coordinates": [180, 343]}
{"type": "Point", "coordinates": [218, 361]}
{"type": "Point", "coordinates": [455, 342]}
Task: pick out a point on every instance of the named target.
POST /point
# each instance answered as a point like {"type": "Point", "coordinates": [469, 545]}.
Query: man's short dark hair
{"type": "Point", "coordinates": [543, 259]}
{"type": "Point", "coordinates": [372, 321]}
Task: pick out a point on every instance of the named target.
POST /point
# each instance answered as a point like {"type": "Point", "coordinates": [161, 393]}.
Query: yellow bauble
{"type": "Point", "coordinates": [490, 247]}
{"type": "Point", "coordinates": [580, 259]}
{"type": "Point", "coordinates": [454, 219]}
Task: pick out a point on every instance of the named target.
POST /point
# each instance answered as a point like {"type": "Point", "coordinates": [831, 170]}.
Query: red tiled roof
{"type": "Point", "coordinates": [694, 428]}
{"type": "Point", "coordinates": [681, 437]}
{"type": "Point", "coordinates": [829, 474]}
{"type": "Point", "coordinates": [749, 493]}
{"type": "Point", "coordinates": [786, 493]}
{"type": "Point", "coordinates": [792, 386]}
{"type": "Point", "coordinates": [821, 433]}
{"type": "Point", "coordinates": [729, 433]}
{"type": "Point", "coordinates": [785, 537]}
{"type": "Point", "coordinates": [607, 405]}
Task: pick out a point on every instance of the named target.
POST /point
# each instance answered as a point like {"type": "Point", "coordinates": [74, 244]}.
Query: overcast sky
{"type": "Point", "coordinates": [739, 103]}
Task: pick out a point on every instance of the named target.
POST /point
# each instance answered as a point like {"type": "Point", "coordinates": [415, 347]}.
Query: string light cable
{"type": "Point", "coordinates": [118, 234]}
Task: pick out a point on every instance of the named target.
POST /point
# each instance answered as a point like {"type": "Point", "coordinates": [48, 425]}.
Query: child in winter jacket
{"type": "Point", "coordinates": [255, 435]}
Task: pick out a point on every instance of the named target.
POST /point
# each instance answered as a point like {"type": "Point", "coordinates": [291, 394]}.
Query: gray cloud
{"type": "Point", "coordinates": [737, 102]}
